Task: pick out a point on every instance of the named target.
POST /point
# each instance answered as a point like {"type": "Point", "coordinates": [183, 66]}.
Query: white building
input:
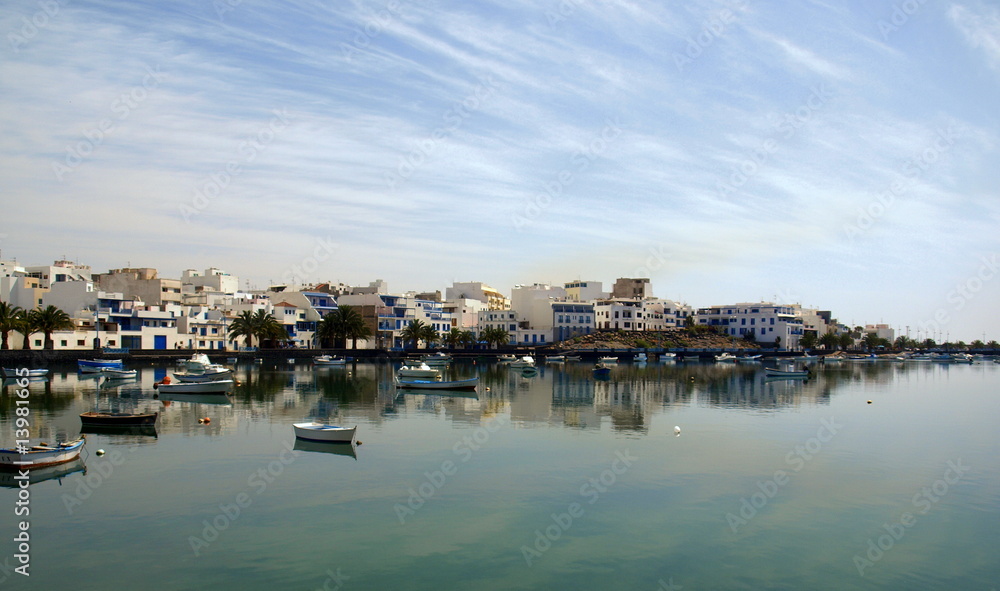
{"type": "Point", "coordinates": [584, 291]}
{"type": "Point", "coordinates": [769, 323]}
{"type": "Point", "coordinates": [475, 290]}
{"type": "Point", "coordinates": [211, 280]}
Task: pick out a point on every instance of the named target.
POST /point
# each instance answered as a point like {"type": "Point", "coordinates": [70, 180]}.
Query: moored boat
{"type": "Point", "coordinates": [437, 385]}
{"type": "Point", "coordinates": [506, 358]}
{"type": "Point", "coordinates": [206, 376]}
{"type": "Point", "coordinates": [438, 358]}
{"type": "Point", "coordinates": [602, 370]}
{"type": "Point", "coordinates": [326, 360]}
{"type": "Point", "coordinates": [96, 365]}
{"type": "Point", "coordinates": [119, 374]}
{"type": "Point", "coordinates": [608, 361]}
{"type": "Point", "coordinates": [640, 358]}
{"type": "Point", "coordinates": [194, 387]}
{"type": "Point", "coordinates": [725, 358]}
{"type": "Point", "coordinates": [418, 371]}
{"type": "Point", "coordinates": [323, 432]}
{"type": "Point", "coordinates": [197, 362]}
{"type": "Point", "coordinates": [118, 418]}
{"type": "Point", "coordinates": [526, 361]}
{"type": "Point", "coordinates": [23, 372]}
{"type": "Point", "coordinates": [41, 455]}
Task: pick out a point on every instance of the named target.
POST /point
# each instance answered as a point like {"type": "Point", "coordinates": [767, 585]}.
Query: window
{"type": "Point", "coordinates": [62, 343]}
{"type": "Point", "coordinates": [81, 342]}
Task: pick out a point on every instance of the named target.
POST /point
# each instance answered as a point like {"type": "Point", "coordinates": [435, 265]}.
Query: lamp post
{"type": "Point", "coordinates": [97, 328]}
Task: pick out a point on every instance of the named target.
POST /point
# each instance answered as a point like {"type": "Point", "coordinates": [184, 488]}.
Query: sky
{"type": "Point", "coordinates": [841, 155]}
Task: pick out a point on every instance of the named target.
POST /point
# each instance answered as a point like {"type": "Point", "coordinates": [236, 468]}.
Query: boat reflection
{"type": "Point", "coordinates": [8, 480]}
{"type": "Point", "coordinates": [333, 447]}
{"type": "Point", "coordinates": [137, 430]}
{"type": "Point", "coordinates": [218, 399]}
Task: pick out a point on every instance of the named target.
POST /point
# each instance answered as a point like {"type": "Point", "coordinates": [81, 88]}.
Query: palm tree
{"type": "Point", "coordinates": [808, 340]}
{"type": "Point", "coordinates": [242, 326]}
{"type": "Point", "coordinates": [829, 341]}
{"type": "Point", "coordinates": [429, 335]}
{"type": "Point", "coordinates": [414, 331]}
{"type": "Point", "coordinates": [466, 338]}
{"type": "Point", "coordinates": [993, 345]}
{"type": "Point", "coordinates": [354, 324]}
{"type": "Point", "coordinates": [25, 324]}
{"type": "Point", "coordinates": [453, 338]}
{"type": "Point", "coordinates": [846, 340]}
{"type": "Point", "coordinates": [871, 341]}
{"type": "Point", "coordinates": [267, 327]}
{"type": "Point", "coordinates": [49, 320]}
{"type": "Point", "coordinates": [494, 335]}
{"type": "Point", "coordinates": [8, 319]}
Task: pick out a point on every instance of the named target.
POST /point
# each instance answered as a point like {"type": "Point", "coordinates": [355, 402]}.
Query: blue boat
{"type": "Point", "coordinates": [437, 384]}
{"type": "Point", "coordinates": [96, 365]}
{"type": "Point", "coordinates": [601, 371]}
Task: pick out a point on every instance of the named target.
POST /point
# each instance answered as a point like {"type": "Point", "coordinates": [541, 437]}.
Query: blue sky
{"type": "Point", "coordinates": [838, 154]}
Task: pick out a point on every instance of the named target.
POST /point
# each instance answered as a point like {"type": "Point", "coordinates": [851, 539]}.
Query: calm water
{"type": "Point", "coordinates": [770, 485]}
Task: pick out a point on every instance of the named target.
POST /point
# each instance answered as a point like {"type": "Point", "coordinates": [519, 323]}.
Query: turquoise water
{"type": "Point", "coordinates": [555, 481]}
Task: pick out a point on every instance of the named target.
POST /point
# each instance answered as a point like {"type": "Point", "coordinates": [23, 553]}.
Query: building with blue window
{"type": "Point", "coordinates": [769, 323]}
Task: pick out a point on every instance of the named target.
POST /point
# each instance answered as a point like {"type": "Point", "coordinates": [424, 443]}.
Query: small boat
{"type": "Point", "coordinates": [668, 356]}
{"type": "Point", "coordinates": [573, 358]}
{"type": "Point", "coordinates": [119, 374]}
{"type": "Point", "coordinates": [608, 361]}
{"type": "Point", "coordinates": [526, 361]}
{"type": "Point", "coordinates": [118, 418]}
{"type": "Point", "coordinates": [326, 360]}
{"type": "Point", "coordinates": [555, 358]}
{"type": "Point", "coordinates": [786, 373]}
{"type": "Point", "coordinates": [437, 359]}
{"type": "Point", "coordinates": [437, 385]}
{"type": "Point", "coordinates": [197, 362]}
{"type": "Point", "coordinates": [640, 358]}
{"type": "Point", "coordinates": [418, 371]}
{"type": "Point", "coordinates": [39, 456]}
{"type": "Point", "coordinates": [206, 376]}
{"type": "Point", "coordinates": [194, 387]}
{"type": "Point", "coordinates": [602, 370]}
{"type": "Point", "coordinates": [322, 432]}
{"type": "Point", "coordinates": [96, 365]}
{"type": "Point", "coordinates": [24, 372]}
{"type": "Point", "coordinates": [506, 358]}
{"type": "Point", "coordinates": [726, 358]}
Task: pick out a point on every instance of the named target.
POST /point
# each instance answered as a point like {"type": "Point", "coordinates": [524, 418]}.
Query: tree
{"type": "Point", "coordinates": [8, 321]}
{"type": "Point", "coordinates": [977, 344]}
{"type": "Point", "coordinates": [414, 332]}
{"type": "Point", "coordinates": [428, 335]}
{"type": "Point", "coordinates": [494, 335]}
{"type": "Point", "coordinates": [993, 345]}
{"type": "Point", "coordinates": [49, 320]}
{"type": "Point", "coordinates": [829, 341]}
{"type": "Point", "coordinates": [808, 340]}
{"type": "Point", "coordinates": [25, 324]}
{"type": "Point", "coordinates": [453, 338]}
{"type": "Point", "coordinates": [467, 339]}
{"type": "Point", "coordinates": [342, 324]}
{"type": "Point", "coordinates": [242, 326]}
{"type": "Point", "coordinates": [267, 328]}
{"type": "Point", "coordinates": [929, 344]}
{"type": "Point", "coordinates": [870, 341]}
{"type": "Point", "coordinates": [846, 340]}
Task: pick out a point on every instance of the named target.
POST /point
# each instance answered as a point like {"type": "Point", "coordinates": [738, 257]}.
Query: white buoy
{"type": "Point", "coordinates": [100, 452]}
{"type": "Point", "coordinates": [677, 430]}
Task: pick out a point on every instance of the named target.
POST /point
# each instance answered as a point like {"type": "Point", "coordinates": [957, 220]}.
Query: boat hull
{"type": "Point", "coordinates": [96, 365]}
{"type": "Point", "coordinates": [324, 433]}
{"type": "Point", "coordinates": [216, 386]}
{"type": "Point", "coordinates": [208, 376]}
{"type": "Point", "coordinates": [41, 456]}
{"type": "Point", "coordinates": [435, 385]}
{"type": "Point", "coordinates": [118, 419]}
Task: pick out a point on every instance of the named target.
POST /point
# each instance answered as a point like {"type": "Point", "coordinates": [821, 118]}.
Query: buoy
{"type": "Point", "coordinates": [487, 388]}
{"type": "Point", "coordinates": [869, 402]}
{"type": "Point", "coordinates": [100, 452]}
{"type": "Point", "coordinates": [200, 421]}
{"type": "Point", "coordinates": [358, 442]}
{"type": "Point", "coordinates": [677, 430]}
